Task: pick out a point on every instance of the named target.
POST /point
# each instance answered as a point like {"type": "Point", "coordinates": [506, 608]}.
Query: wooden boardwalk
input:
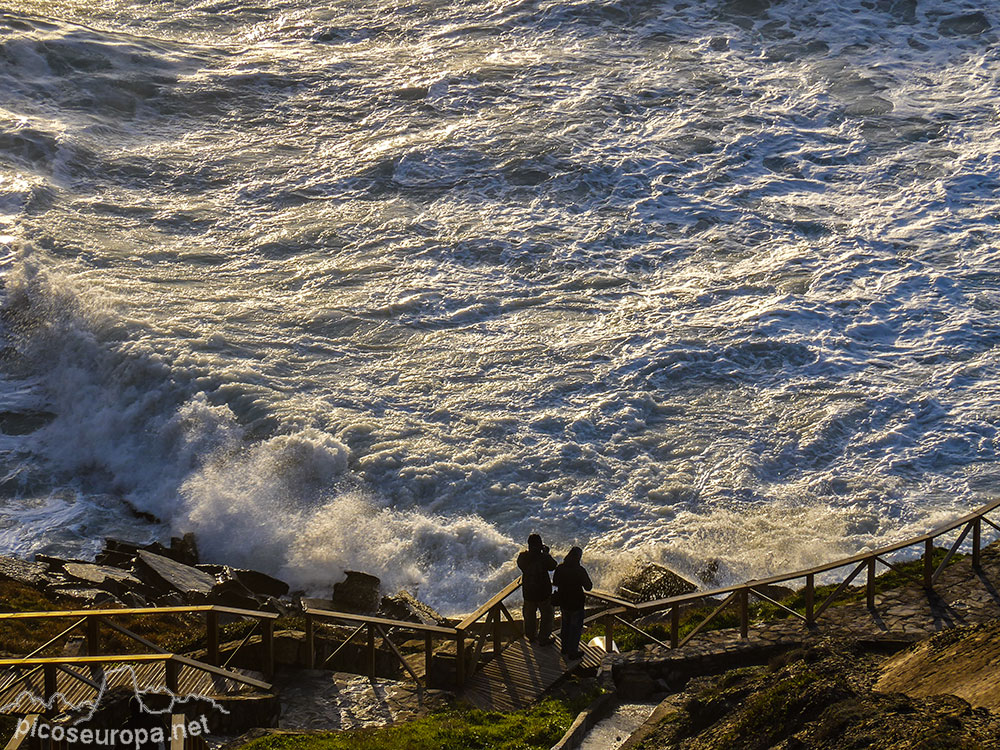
{"type": "Point", "coordinates": [521, 673]}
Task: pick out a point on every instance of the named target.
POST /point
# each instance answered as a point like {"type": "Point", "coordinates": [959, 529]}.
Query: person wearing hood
{"type": "Point", "coordinates": [535, 564]}
{"type": "Point", "coordinates": [572, 580]}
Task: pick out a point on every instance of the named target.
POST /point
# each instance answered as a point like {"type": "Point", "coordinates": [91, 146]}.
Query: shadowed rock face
{"type": "Point", "coordinates": [818, 698]}
{"type": "Point", "coordinates": [960, 662]}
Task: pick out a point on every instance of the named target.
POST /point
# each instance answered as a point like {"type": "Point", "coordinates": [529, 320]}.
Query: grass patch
{"type": "Point", "coordinates": [459, 728]}
{"type": "Point", "coordinates": [907, 574]}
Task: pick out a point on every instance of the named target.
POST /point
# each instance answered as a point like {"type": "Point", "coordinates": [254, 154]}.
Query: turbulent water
{"type": "Point", "coordinates": [388, 285]}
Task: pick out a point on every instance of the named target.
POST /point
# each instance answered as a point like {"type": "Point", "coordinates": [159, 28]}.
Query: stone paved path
{"type": "Point", "coordinates": [322, 700]}
{"type": "Point", "coordinates": [961, 596]}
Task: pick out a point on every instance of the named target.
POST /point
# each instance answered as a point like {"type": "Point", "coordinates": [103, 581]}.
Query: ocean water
{"type": "Point", "coordinates": [389, 285]}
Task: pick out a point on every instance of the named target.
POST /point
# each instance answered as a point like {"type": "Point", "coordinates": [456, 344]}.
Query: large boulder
{"type": "Point", "coordinates": [168, 575]}
{"type": "Point", "coordinates": [261, 584]}
{"type": "Point", "coordinates": [648, 582]}
{"type": "Point", "coordinates": [404, 606]}
{"type": "Point", "coordinates": [970, 24]}
{"type": "Point", "coordinates": [357, 593]}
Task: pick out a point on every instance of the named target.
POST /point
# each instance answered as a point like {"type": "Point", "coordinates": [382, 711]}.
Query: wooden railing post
{"type": "Point", "coordinates": [310, 642]}
{"type": "Point", "coordinates": [744, 613]}
{"type": "Point", "coordinates": [928, 563]}
{"type": "Point", "coordinates": [267, 648]}
{"type": "Point", "coordinates": [93, 636]}
{"type": "Point", "coordinates": [977, 540]}
{"type": "Point", "coordinates": [172, 675]}
{"type": "Point", "coordinates": [428, 656]}
{"type": "Point", "coordinates": [609, 634]}
{"type": "Point", "coordinates": [212, 637]}
{"type": "Point", "coordinates": [810, 598]}
{"type": "Point", "coordinates": [496, 631]}
{"type": "Point", "coordinates": [460, 660]}
{"type": "Point", "coordinates": [675, 626]}
{"type": "Point", "coordinates": [871, 584]}
{"type": "Point", "coordinates": [371, 650]}
{"type": "Point", "coordinates": [49, 687]}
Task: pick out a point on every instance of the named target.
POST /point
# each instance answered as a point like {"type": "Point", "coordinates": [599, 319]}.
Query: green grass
{"type": "Point", "coordinates": [628, 640]}
{"type": "Point", "coordinates": [534, 728]}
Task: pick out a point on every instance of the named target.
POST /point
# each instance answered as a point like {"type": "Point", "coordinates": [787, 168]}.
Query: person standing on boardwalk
{"type": "Point", "coordinates": [572, 580]}
{"type": "Point", "coordinates": [535, 564]}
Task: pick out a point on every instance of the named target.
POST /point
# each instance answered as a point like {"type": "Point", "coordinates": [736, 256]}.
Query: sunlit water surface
{"type": "Point", "coordinates": [388, 285]}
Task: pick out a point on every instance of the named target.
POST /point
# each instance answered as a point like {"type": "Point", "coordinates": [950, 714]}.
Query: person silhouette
{"type": "Point", "coordinates": [535, 564]}
{"type": "Point", "coordinates": [571, 579]}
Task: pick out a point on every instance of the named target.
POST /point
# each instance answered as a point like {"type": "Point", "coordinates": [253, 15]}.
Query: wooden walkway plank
{"type": "Point", "coordinates": [521, 673]}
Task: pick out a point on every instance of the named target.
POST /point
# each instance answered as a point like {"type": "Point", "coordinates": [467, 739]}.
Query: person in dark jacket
{"type": "Point", "coordinates": [535, 564]}
{"type": "Point", "coordinates": [572, 580]}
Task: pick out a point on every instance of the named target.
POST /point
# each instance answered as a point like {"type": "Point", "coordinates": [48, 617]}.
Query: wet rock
{"type": "Point", "coordinates": [412, 93]}
{"type": "Point", "coordinates": [24, 422]}
{"type": "Point", "coordinates": [969, 24]}
{"type": "Point", "coordinates": [103, 577]}
{"type": "Point", "coordinates": [173, 599]}
{"type": "Point", "coordinates": [259, 583]}
{"type": "Point", "coordinates": [117, 552]}
{"type": "Point", "coordinates": [134, 600]}
{"type": "Point", "coordinates": [184, 549]}
{"type": "Point", "coordinates": [357, 593]}
{"type": "Point", "coordinates": [651, 582]}
{"type": "Point", "coordinates": [168, 575]}
{"type": "Point", "coordinates": [232, 593]}
{"type": "Point", "coordinates": [404, 606]}
{"type": "Point", "coordinates": [28, 573]}
{"type": "Point", "coordinates": [869, 106]}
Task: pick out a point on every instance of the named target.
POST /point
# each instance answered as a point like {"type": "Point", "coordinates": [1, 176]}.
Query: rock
{"type": "Point", "coordinates": [777, 593]}
{"type": "Point", "coordinates": [969, 24]}
{"type": "Point", "coordinates": [709, 575]}
{"type": "Point", "coordinates": [168, 575]}
{"type": "Point", "coordinates": [404, 606]}
{"type": "Point", "coordinates": [173, 599]}
{"type": "Point", "coordinates": [91, 596]}
{"type": "Point", "coordinates": [261, 584]}
{"type": "Point", "coordinates": [184, 549]}
{"type": "Point", "coordinates": [28, 573]}
{"type": "Point", "coordinates": [117, 553]}
{"type": "Point", "coordinates": [54, 564]}
{"type": "Point", "coordinates": [412, 93]}
{"type": "Point", "coordinates": [651, 582]}
{"type": "Point", "coordinates": [103, 577]}
{"type": "Point", "coordinates": [232, 593]}
{"type": "Point", "coordinates": [357, 593]}
{"type": "Point", "coordinates": [273, 604]}
{"type": "Point", "coordinates": [960, 662]}
{"type": "Point", "coordinates": [134, 600]}
{"type": "Point", "coordinates": [24, 422]}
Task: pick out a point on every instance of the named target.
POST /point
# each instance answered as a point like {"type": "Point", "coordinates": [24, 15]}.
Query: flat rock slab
{"type": "Point", "coordinates": [963, 663]}
{"type": "Point", "coordinates": [28, 573]}
{"type": "Point", "coordinates": [173, 575]}
{"type": "Point", "coordinates": [102, 576]}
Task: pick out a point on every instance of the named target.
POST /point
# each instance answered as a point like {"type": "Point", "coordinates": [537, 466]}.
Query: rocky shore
{"type": "Point", "coordinates": [125, 574]}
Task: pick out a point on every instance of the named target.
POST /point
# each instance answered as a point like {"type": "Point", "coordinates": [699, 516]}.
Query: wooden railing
{"type": "Point", "coordinates": [374, 626]}
{"type": "Point", "coordinates": [91, 622]}
{"type": "Point", "coordinates": [172, 663]}
{"type": "Point", "coordinates": [615, 610]}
